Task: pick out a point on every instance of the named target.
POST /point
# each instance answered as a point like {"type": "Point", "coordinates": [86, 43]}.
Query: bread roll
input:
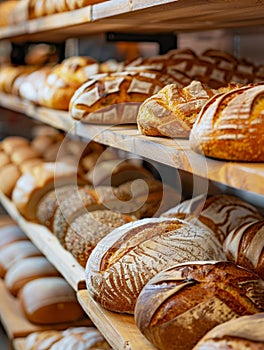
{"type": "Point", "coordinates": [179, 305]}
{"type": "Point", "coordinates": [245, 246]}
{"type": "Point", "coordinates": [11, 143]}
{"type": "Point", "coordinates": [50, 300]}
{"type": "Point", "coordinates": [27, 270]}
{"type": "Point", "coordinates": [28, 164]}
{"type": "Point", "coordinates": [21, 154]}
{"type": "Point", "coordinates": [9, 175]}
{"type": "Point", "coordinates": [128, 257]}
{"type": "Point", "coordinates": [88, 229]}
{"type": "Point", "coordinates": [219, 214]}
{"type": "Point", "coordinates": [114, 98]}
{"type": "Point", "coordinates": [11, 233]}
{"type": "Point", "coordinates": [14, 252]}
{"type": "Point", "coordinates": [4, 159]}
{"type": "Point", "coordinates": [50, 202]}
{"type": "Point", "coordinates": [225, 130]}
{"type": "Point", "coordinates": [245, 332]}
{"type": "Point", "coordinates": [32, 186]}
{"type": "Point", "coordinates": [173, 110]}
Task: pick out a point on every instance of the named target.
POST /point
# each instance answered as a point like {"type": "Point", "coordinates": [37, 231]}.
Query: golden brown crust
{"type": "Point", "coordinates": [230, 126]}
{"type": "Point", "coordinates": [180, 304]}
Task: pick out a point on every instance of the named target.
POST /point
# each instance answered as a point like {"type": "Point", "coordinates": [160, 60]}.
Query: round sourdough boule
{"type": "Point", "coordinates": [230, 126]}
{"type": "Point", "coordinates": [128, 257]}
{"type": "Point", "coordinates": [242, 333]}
{"type": "Point", "coordinates": [245, 246]}
{"type": "Point", "coordinates": [88, 229]}
{"type": "Point", "coordinates": [180, 304]}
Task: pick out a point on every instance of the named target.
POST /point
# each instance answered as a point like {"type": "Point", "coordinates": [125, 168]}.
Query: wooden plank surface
{"type": "Point", "coordinates": [48, 244]}
{"type": "Point", "coordinates": [139, 15]}
{"type": "Point", "coordinates": [15, 323]}
{"type": "Point", "coordinates": [119, 330]}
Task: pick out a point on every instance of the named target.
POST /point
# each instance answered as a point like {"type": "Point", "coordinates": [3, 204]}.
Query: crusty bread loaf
{"type": "Point", "coordinates": [173, 110]}
{"type": "Point", "coordinates": [219, 214]}
{"type": "Point", "coordinates": [32, 186]}
{"type": "Point", "coordinates": [27, 270]}
{"type": "Point", "coordinates": [114, 98]}
{"type": "Point", "coordinates": [14, 252]}
{"type": "Point", "coordinates": [9, 175]}
{"type": "Point", "coordinates": [9, 73]}
{"type": "Point", "coordinates": [245, 246]}
{"type": "Point", "coordinates": [179, 305]}
{"type": "Point", "coordinates": [11, 233]}
{"type": "Point", "coordinates": [88, 229]}
{"type": "Point", "coordinates": [230, 126]}
{"type": "Point", "coordinates": [50, 300]}
{"type": "Point", "coordinates": [81, 338]}
{"type": "Point", "coordinates": [128, 257]}
{"type": "Point", "coordinates": [245, 332]}
{"type": "Point", "coordinates": [50, 202]}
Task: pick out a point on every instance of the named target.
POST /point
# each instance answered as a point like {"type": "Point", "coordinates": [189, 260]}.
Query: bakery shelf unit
{"type": "Point", "coordinates": [131, 16]}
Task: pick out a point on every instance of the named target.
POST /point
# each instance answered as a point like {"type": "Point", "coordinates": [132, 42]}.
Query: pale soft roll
{"type": "Point", "coordinates": [128, 257]}
{"type": "Point", "coordinates": [11, 233]}
{"type": "Point", "coordinates": [50, 300]}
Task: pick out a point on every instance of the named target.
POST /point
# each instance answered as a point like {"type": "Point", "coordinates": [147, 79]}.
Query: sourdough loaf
{"type": "Point", "coordinates": [114, 98]}
{"type": "Point", "coordinates": [230, 125]}
{"type": "Point", "coordinates": [50, 300]}
{"type": "Point", "coordinates": [180, 304]}
{"type": "Point", "coordinates": [27, 270]}
{"type": "Point", "coordinates": [128, 257]}
{"type": "Point", "coordinates": [173, 110]}
{"type": "Point", "coordinates": [88, 229]}
{"type": "Point", "coordinates": [219, 214]}
{"type": "Point", "coordinates": [14, 252]}
{"type": "Point", "coordinates": [245, 246]}
{"type": "Point", "coordinates": [245, 332]}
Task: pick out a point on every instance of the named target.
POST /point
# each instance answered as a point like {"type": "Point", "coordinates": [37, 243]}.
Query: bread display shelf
{"type": "Point", "coordinates": [119, 330]}
{"type": "Point", "coordinates": [248, 177]}
{"type": "Point", "coordinates": [48, 244]}
{"type": "Point", "coordinates": [14, 321]}
{"type": "Point", "coordinates": [131, 15]}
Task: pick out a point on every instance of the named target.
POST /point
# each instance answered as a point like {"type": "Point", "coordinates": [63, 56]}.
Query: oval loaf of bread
{"type": "Point", "coordinates": [128, 257]}
{"type": "Point", "coordinates": [179, 305]}
{"type": "Point", "coordinates": [245, 246]}
{"type": "Point", "coordinates": [245, 332]}
{"type": "Point", "coordinates": [230, 126]}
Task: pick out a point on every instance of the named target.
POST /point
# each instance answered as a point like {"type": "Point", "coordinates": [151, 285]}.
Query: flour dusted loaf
{"type": "Point", "coordinates": [219, 214]}
{"type": "Point", "coordinates": [50, 300]}
{"type": "Point", "coordinates": [242, 333]}
{"type": "Point", "coordinates": [128, 257]}
{"type": "Point", "coordinates": [81, 338]}
{"type": "Point", "coordinates": [114, 98]}
{"type": "Point", "coordinates": [27, 270]}
{"type": "Point", "coordinates": [245, 246]}
{"type": "Point", "coordinates": [14, 252]}
{"type": "Point", "coordinates": [180, 304]}
{"type": "Point", "coordinates": [230, 126]}
{"type": "Point", "coordinates": [173, 110]}
{"type": "Point", "coordinates": [88, 229]}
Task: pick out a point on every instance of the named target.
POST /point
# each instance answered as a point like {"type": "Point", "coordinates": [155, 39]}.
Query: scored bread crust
{"type": "Point", "coordinates": [180, 304]}
{"type": "Point", "coordinates": [230, 126]}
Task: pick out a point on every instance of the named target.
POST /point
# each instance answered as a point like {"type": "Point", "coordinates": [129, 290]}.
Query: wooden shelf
{"type": "Point", "coordinates": [14, 321]}
{"type": "Point", "coordinates": [48, 244]}
{"type": "Point", "coordinates": [248, 177]}
{"type": "Point", "coordinates": [140, 16]}
{"type": "Point", "coordinates": [119, 330]}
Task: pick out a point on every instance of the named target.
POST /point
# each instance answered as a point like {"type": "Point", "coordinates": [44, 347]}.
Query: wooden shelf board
{"type": "Point", "coordinates": [48, 244]}
{"type": "Point", "coordinates": [15, 323]}
{"type": "Point", "coordinates": [119, 330]}
{"type": "Point", "coordinates": [140, 16]}
{"type": "Point", "coordinates": [177, 153]}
